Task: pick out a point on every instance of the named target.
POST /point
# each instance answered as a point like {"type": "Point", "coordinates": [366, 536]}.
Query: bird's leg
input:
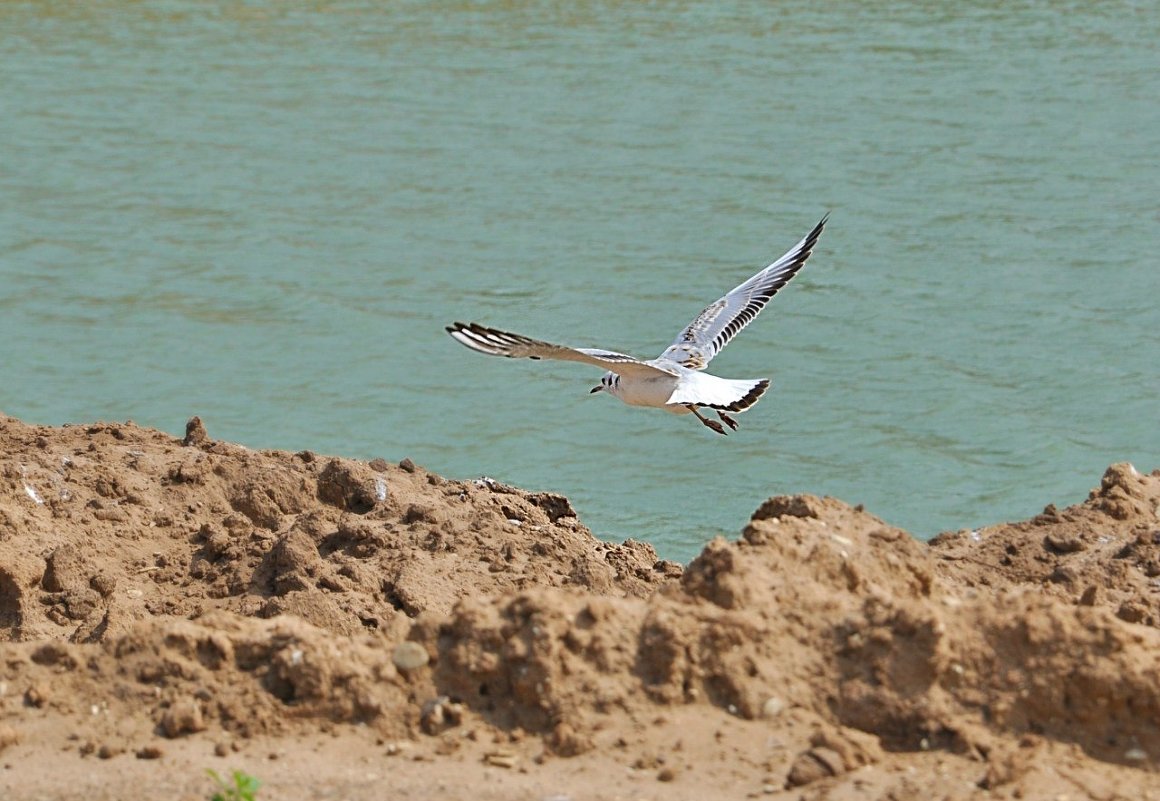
{"type": "Point", "coordinates": [713, 424]}
{"type": "Point", "coordinates": [729, 421]}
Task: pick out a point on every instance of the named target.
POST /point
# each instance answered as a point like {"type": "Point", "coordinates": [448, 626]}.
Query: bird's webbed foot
{"type": "Point", "coordinates": [713, 424]}
{"type": "Point", "coordinates": [729, 421]}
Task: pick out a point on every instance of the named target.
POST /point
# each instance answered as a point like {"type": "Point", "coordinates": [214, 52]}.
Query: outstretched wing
{"type": "Point", "coordinates": [502, 343]}
{"type": "Point", "coordinates": [714, 327]}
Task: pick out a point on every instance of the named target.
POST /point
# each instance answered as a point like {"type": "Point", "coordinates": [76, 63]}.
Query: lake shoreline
{"type": "Point", "coordinates": [356, 629]}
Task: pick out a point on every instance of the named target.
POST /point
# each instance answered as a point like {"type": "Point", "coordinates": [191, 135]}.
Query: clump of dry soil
{"type": "Point", "coordinates": [365, 630]}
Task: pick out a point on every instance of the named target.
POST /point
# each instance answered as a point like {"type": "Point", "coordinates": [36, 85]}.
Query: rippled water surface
{"type": "Point", "coordinates": [264, 213]}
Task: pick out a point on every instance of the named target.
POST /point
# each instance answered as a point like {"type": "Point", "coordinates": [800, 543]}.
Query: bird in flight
{"type": "Point", "coordinates": [673, 381]}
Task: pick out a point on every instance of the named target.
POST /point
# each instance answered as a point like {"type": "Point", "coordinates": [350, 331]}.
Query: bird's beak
{"type": "Point", "coordinates": [595, 389]}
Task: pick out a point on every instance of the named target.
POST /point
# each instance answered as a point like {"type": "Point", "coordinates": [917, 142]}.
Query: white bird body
{"type": "Point", "coordinates": [651, 391]}
{"type": "Point", "coordinates": [673, 381]}
{"type": "Point", "coordinates": [674, 391]}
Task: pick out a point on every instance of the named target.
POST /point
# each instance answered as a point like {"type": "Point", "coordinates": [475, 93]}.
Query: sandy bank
{"type": "Point", "coordinates": [344, 629]}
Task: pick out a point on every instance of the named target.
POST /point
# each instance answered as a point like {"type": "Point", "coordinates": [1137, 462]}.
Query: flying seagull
{"type": "Point", "coordinates": [673, 381]}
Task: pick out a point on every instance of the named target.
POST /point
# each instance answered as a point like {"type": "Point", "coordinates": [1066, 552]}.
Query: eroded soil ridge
{"type": "Point", "coordinates": [195, 588]}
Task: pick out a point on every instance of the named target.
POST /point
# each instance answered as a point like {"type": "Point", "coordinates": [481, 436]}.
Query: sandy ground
{"type": "Point", "coordinates": [352, 630]}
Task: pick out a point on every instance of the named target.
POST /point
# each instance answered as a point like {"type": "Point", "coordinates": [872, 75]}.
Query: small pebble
{"type": "Point", "coordinates": [501, 759]}
{"type": "Point", "coordinates": [772, 707]}
{"type": "Point", "coordinates": [1064, 542]}
{"type": "Point", "coordinates": [183, 717]}
{"type": "Point", "coordinates": [107, 751]}
{"type": "Point", "coordinates": [410, 656]}
{"type": "Point", "coordinates": [37, 695]}
{"type": "Point", "coordinates": [150, 752]}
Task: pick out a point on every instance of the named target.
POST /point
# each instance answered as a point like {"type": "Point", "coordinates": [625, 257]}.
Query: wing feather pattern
{"type": "Point", "coordinates": [720, 321]}
{"type": "Point", "coordinates": [503, 343]}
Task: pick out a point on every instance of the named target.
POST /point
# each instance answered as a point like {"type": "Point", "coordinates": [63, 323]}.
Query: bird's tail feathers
{"type": "Point", "coordinates": [725, 394]}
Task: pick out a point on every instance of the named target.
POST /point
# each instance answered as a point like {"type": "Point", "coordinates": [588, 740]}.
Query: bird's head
{"type": "Point", "coordinates": [607, 381]}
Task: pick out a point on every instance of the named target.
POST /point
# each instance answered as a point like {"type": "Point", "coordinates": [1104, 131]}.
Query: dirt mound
{"type": "Point", "coordinates": [108, 524]}
{"type": "Point", "coordinates": [157, 594]}
{"type": "Point", "coordinates": [1103, 553]}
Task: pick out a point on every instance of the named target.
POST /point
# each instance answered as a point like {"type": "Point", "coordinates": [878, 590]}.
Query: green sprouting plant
{"type": "Point", "coordinates": [243, 788]}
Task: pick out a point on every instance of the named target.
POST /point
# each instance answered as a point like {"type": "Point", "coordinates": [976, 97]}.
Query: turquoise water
{"type": "Point", "coordinates": [264, 213]}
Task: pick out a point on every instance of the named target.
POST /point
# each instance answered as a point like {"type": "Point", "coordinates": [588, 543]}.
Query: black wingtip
{"type": "Point", "coordinates": [811, 240]}
{"type": "Point", "coordinates": [812, 237]}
